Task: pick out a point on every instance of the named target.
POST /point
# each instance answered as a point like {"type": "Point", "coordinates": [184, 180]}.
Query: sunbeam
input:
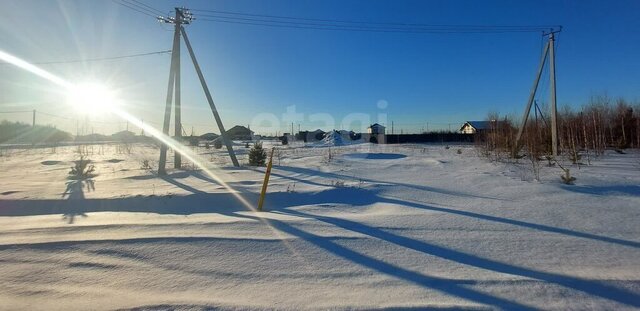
{"type": "Point", "coordinates": [83, 90]}
{"type": "Point", "coordinates": [165, 139]}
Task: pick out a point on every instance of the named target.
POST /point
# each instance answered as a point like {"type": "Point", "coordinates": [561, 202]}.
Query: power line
{"type": "Point", "coordinates": [375, 29]}
{"type": "Point", "coordinates": [135, 9]}
{"type": "Point", "coordinates": [140, 7]}
{"type": "Point", "coordinates": [537, 27]}
{"type": "Point", "coordinates": [403, 28]}
{"type": "Point", "coordinates": [150, 8]}
{"type": "Point", "coordinates": [79, 119]}
{"type": "Point", "coordinates": [17, 111]}
{"type": "Point", "coordinates": [333, 24]}
{"type": "Point", "coordinates": [100, 59]}
{"type": "Point", "coordinates": [357, 29]}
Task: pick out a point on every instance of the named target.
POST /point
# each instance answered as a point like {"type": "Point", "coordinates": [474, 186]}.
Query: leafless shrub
{"type": "Point", "coordinates": [291, 187]}
{"type": "Point", "coordinates": [337, 183]}
{"type": "Point", "coordinates": [497, 140]}
{"type": "Point", "coordinates": [191, 167]}
{"type": "Point", "coordinates": [123, 148]}
{"type": "Point", "coordinates": [146, 165]}
{"type": "Point", "coordinates": [328, 156]}
{"type": "Point", "coordinates": [600, 124]}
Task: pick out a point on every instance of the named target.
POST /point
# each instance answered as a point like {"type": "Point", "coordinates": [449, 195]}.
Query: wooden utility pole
{"type": "Point", "coordinates": [184, 17]}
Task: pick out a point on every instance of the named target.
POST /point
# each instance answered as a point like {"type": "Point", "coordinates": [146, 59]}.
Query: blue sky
{"type": "Point", "coordinates": [433, 79]}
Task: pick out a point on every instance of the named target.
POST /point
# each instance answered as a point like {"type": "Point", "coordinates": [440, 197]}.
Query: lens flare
{"type": "Point", "coordinates": [91, 98]}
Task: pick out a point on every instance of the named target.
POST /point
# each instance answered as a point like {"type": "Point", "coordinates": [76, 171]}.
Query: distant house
{"type": "Point", "coordinates": [125, 136]}
{"type": "Point", "coordinates": [209, 136]}
{"type": "Point", "coordinates": [93, 137]}
{"type": "Point", "coordinates": [239, 132]}
{"type": "Point", "coordinates": [317, 134]}
{"type": "Point", "coordinates": [473, 127]}
{"type": "Point", "coordinates": [376, 129]}
{"type": "Point", "coordinates": [310, 135]}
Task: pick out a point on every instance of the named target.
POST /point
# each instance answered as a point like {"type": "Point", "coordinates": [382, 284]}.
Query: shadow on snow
{"type": "Point", "coordinates": [225, 203]}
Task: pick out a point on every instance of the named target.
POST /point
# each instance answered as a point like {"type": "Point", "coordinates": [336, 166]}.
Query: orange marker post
{"type": "Point", "coordinates": [266, 180]}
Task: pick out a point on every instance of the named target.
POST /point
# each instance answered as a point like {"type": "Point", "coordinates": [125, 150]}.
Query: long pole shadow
{"type": "Point", "coordinates": [439, 284]}
{"type": "Point", "coordinates": [476, 215]}
{"type": "Point", "coordinates": [514, 222]}
{"type": "Point", "coordinates": [311, 172]}
{"type": "Point", "coordinates": [180, 185]}
{"type": "Point", "coordinates": [587, 286]}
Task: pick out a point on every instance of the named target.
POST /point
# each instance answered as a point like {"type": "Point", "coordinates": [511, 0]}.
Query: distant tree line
{"type": "Point", "coordinates": [603, 123]}
{"type": "Point", "coordinates": [21, 133]}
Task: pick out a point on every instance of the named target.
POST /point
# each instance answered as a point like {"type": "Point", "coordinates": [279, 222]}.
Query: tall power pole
{"type": "Point", "coordinates": [554, 109]}
{"type": "Point", "coordinates": [177, 20]}
{"type": "Point", "coordinates": [549, 50]}
{"type": "Point", "coordinates": [184, 17]}
{"type": "Point", "coordinates": [177, 158]}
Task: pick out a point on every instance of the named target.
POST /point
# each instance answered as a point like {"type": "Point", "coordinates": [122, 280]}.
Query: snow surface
{"type": "Point", "coordinates": [408, 227]}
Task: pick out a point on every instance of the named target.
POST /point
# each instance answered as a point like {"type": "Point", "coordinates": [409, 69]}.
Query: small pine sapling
{"type": "Point", "coordinates": [82, 169]}
{"type": "Point", "coordinates": [146, 165]}
{"type": "Point", "coordinates": [257, 155]}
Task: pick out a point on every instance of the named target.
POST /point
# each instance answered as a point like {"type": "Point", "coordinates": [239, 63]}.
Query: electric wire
{"type": "Point", "coordinates": [135, 9]}
{"type": "Point", "coordinates": [344, 25]}
{"type": "Point", "coordinates": [100, 59]}
{"type": "Point", "coordinates": [526, 27]}
{"type": "Point", "coordinates": [140, 7]}
{"type": "Point", "coordinates": [140, 3]}
{"type": "Point", "coordinates": [373, 29]}
{"type": "Point", "coordinates": [17, 111]}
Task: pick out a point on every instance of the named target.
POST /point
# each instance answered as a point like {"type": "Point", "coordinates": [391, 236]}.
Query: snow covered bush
{"type": "Point", "coordinates": [328, 156]}
{"type": "Point", "coordinates": [257, 155]}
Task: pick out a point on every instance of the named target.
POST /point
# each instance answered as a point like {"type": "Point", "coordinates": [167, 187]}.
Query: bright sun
{"type": "Point", "coordinates": [91, 98]}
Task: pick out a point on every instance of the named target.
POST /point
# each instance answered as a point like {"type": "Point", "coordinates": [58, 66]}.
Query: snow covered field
{"type": "Point", "coordinates": [407, 227]}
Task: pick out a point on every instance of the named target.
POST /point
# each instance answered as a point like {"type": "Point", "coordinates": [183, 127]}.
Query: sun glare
{"type": "Point", "coordinates": [91, 98]}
